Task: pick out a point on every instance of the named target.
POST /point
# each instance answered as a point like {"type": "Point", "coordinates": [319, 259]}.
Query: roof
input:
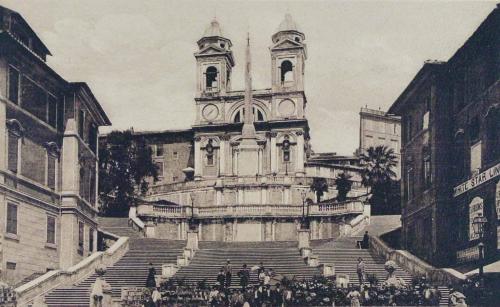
{"type": "Point", "coordinates": [95, 102]}
{"type": "Point", "coordinates": [213, 29]}
{"type": "Point", "coordinates": [428, 67]}
{"type": "Point", "coordinates": [28, 28]}
{"type": "Point", "coordinates": [288, 24]}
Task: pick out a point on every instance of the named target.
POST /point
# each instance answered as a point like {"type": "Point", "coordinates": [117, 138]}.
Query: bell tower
{"type": "Point", "coordinates": [288, 55]}
{"type": "Point", "coordinates": [215, 61]}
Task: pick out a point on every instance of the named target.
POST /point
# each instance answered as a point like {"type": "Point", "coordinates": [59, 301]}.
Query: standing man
{"type": "Point", "coordinates": [360, 269]}
{"type": "Point", "coordinates": [228, 270]}
{"type": "Point", "coordinates": [244, 275]}
{"type": "Point", "coordinates": [366, 241]}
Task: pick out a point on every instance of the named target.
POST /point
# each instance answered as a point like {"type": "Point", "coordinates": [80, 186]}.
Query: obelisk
{"type": "Point", "coordinates": [248, 156]}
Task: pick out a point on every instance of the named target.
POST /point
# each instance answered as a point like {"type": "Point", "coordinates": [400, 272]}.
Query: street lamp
{"type": "Point", "coordinates": [478, 223]}
{"type": "Point", "coordinates": [191, 222]}
{"type": "Point", "coordinates": [303, 195]}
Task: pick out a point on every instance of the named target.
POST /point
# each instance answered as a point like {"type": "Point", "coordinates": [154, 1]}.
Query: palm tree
{"type": "Point", "coordinates": [378, 174]}
{"type": "Point", "coordinates": [319, 186]}
{"type": "Point", "coordinates": [379, 163]}
{"type": "Point", "coordinates": [344, 185]}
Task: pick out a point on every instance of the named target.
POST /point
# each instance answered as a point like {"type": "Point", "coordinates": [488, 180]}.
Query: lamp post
{"type": "Point", "coordinates": [191, 221]}
{"type": "Point", "coordinates": [303, 195]}
{"type": "Point", "coordinates": [478, 223]}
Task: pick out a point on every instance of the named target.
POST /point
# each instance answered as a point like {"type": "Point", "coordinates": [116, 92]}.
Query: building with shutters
{"type": "Point", "coordinates": [451, 151]}
{"type": "Point", "coordinates": [48, 158]}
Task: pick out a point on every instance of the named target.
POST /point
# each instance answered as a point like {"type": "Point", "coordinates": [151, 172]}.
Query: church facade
{"type": "Point", "coordinates": [241, 173]}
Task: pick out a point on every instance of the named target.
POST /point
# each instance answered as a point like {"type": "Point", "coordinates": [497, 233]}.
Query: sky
{"type": "Point", "coordinates": [137, 56]}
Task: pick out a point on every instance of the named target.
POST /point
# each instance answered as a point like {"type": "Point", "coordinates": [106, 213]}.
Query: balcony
{"type": "Point", "coordinates": [251, 210]}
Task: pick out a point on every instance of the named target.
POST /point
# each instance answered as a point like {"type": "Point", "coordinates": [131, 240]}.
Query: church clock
{"type": "Point", "coordinates": [210, 112]}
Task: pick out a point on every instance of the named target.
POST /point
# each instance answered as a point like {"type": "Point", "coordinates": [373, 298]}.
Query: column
{"type": "Point", "coordinates": [197, 159]}
{"type": "Point", "coordinates": [218, 196]}
{"type": "Point", "coordinates": [274, 153]}
{"type": "Point", "coordinates": [259, 161]}
{"type": "Point", "coordinates": [299, 163]}
{"type": "Point", "coordinates": [222, 156]}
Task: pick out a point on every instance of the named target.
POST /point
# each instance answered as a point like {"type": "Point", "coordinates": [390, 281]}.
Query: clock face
{"type": "Point", "coordinates": [286, 107]}
{"type": "Point", "coordinates": [210, 112]}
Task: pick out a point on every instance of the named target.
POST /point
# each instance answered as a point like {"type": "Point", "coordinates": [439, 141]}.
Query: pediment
{"type": "Point", "coordinates": [211, 49]}
{"type": "Point", "coordinates": [286, 43]}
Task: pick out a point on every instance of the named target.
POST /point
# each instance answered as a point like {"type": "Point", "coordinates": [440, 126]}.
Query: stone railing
{"type": "Point", "coordinates": [235, 181]}
{"type": "Point", "coordinates": [38, 287]}
{"type": "Point", "coordinates": [415, 265]}
{"type": "Point", "coordinates": [252, 210]}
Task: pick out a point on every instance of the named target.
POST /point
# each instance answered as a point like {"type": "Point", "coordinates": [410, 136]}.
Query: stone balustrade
{"type": "Point", "coordinates": [251, 210]}
{"type": "Point", "coordinates": [239, 181]}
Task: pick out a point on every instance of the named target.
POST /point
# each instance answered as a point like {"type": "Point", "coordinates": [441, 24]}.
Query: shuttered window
{"type": "Point", "coordinates": [51, 229]}
{"type": "Point", "coordinates": [51, 171]}
{"type": "Point", "coordinates": [13, 144]}
{"type": "Point", "coordinates": [11, 218]}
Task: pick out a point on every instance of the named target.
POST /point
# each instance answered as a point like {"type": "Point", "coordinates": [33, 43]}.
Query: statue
{"type": "Point", "coordinates": [100, 295]}
{"type": "Point", "coordinates": [392, 280]}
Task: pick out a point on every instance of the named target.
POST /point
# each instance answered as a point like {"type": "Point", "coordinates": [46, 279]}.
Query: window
{"type": "Point", "coordinates": [91, 240]}
{"type": "Point", "coordinates": [209, 148]}
{"type": "Point", "coordinates": [425, 120]}
{"type": "Point", "coordinates": [52, 106]}
{"type": "Point", "coordinates": [426, 168]}
{"type": "Point", "coordinates": [33, 99]}
{"type": "Point", "coordinates": [159, 150]}
{"type": "Point", "coordinates": [286, 71]}
{"type": "Point", "coordinates": [286, 149]}
{"type": "Point", "coordinates": [11, 218]}
{"type": "Point", "coordinates": [51, 171]}
{"type": "Point", "coordinates": [51, 229]}
{"type": "Point", "coordinates": [258, 115]}
{"type": "Point", "coordinates": [211, 77]}
{"type": "Point", "coordinates": [159, 166]}
{"type": "Point", "coordinates": [474, 128]}
{"type": "Point", "coordinates": [81, 228]}
{"type": "Point", "coordinates": [13, 154]}
{"type": "Point", "coordinates": [409, 184]}
{"type": "Point", "coordinates": [11, 265]}
{"type": "Point", "coordinates": [81, 122]}
{"type": "Point", "coordinates": [475, 158]}
{"type": "Point", "coordinates": [13, 85]}
{"type": "Point", "coordinates": [175, 155]}
{"type": "Point", "coordinates": [93, 137]}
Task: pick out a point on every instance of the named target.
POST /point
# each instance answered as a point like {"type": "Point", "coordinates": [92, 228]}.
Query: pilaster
{"type": "Point", "coordinates": [3, 138]}
{"type": "Point", "coordinates": [299, 163]}
{"type": "Point", "coordinates": [274, 153]}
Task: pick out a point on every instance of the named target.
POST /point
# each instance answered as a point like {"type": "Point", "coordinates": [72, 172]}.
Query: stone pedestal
{"type": "Point", "coordinates": [342, 280]}
{"type": "Point", "coordinates": [312, 261]}
{"type": "Point", "coordinates": [182, 261]}
{"type": "Point", "coordinates": [168, 270]}
{"type": "Point", "coordinates": [188, 253]}
{"type": "Point", "coordinates": [149, 229]}
{"type": "Point", "coordinates": [305, 252]}
{"type": "Point", "coordinates": [192, 239]}
{"type": "Point", "coordinates": [303, 237]}
{"type": "Point", "coordinates": [328, 270]}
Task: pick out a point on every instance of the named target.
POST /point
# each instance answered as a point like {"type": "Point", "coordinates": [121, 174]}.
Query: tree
{"type": "Point", "coordinates": [125, 171]}
{"type": "Point", "coordinates": [378, 174]}
{"type": "Point", "coordinates": [319, 186]}
{"type": "Point", "coordinates": [344, 185]}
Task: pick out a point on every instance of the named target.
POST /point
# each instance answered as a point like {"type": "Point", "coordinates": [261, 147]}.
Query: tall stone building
{"type": "Point", "coordinates": [242, 172]}
{"type": "Point", "coordinates": [378, 128]}
{"type": "Point", "coordinates": [48, 158]}
{"type": "Point", "coordinates": [451, 151]}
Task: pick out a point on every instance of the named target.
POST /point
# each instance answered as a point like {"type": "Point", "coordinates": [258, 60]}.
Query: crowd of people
{"type": "Point", "coordinates": [268, 288]}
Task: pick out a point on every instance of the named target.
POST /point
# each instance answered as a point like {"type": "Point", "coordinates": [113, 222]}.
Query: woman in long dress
{"type": "Point", "coordinates": [354, 296]}
{"type": "Point", "coordinates": [151, 281]}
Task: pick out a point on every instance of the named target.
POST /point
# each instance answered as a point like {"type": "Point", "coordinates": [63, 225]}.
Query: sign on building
{"type": "Point", "coordinates": [468, 254]}
{"type": "Point", "coordinates": [475, 209]}
{"type": "Point", "coordinates": [477, 180]}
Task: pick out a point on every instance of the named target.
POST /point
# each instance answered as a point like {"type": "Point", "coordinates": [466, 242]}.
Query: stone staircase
{"type": "Point", "coordinates": [118, 226]}
{"type": "Point", "coordinates": [130, 271]}
{"type": "Point", "coordinates": [344, 254]}
{"type": "Point", "coordinates": [282, 257]}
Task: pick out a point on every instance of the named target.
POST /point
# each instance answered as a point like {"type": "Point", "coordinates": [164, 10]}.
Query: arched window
{"type": "Point", "coordinates": [286, 71]}
{"type": "Point", "coordinates": [210, 153]}
{"type": "Point", "coordinates": [286, 149]}
{"type": "Point", "coordinates": [211, 77]}
{"type": "Point", "coordinates": [258, 115]}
